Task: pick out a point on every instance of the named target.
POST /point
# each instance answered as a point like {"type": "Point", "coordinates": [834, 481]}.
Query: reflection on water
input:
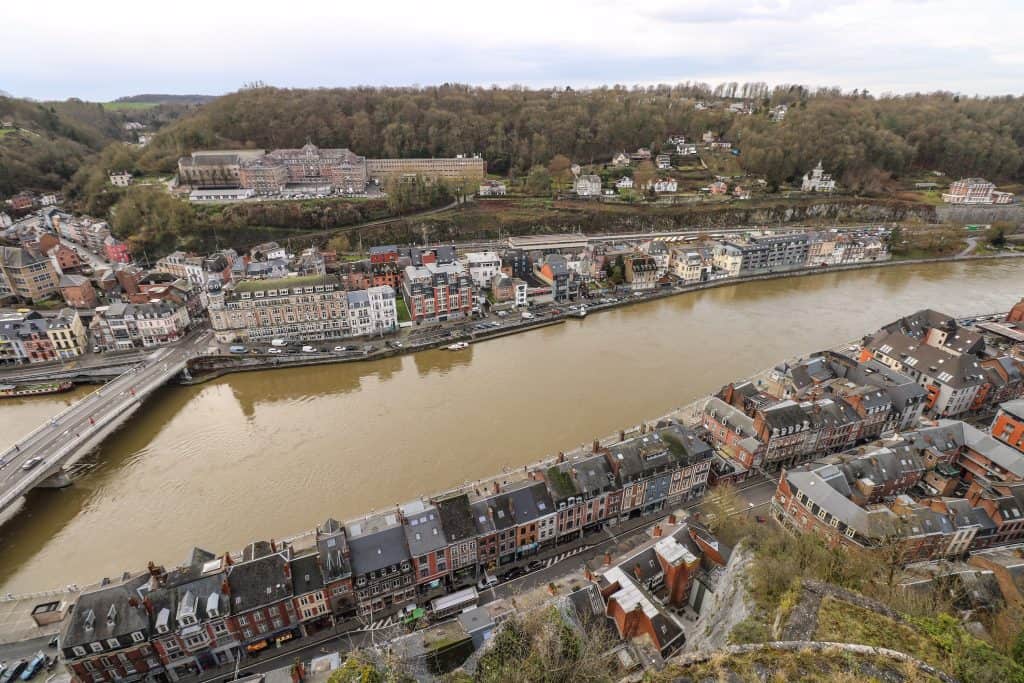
{"type": "Point", "coordinates": [267, 454]}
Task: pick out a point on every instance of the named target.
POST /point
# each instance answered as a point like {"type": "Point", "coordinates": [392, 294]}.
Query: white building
{"type": "Point", "coordinates": [521, 293]}
{"type": "Point", "coordinates": [587, 186]}
{"type": "Point", "coordinates": [658, 251]}
{"type": "Point", "coordinates": [492, 188]}
{"type": "Point", "coordinates": [689, 266]}
{"type": "Point", "coordinates": [372, 311]}
{"type": "Point", "coordinates": [624, 183]}
{"type": "Point", "coordinates": [482, 267]}
{"type": "Point", "coordinates": [975, 191]}
{"type": "Point", "coordinates": [620, 159]}
{"type": "Point", "coordinates": [663, 185]}
{"type": "Point", "coordinates": [48, 200]}
{"type": "Point", "coordinates": [268, 251]}
{"type": "Point", "coordinates": [180, 264]}
{"type": "Point", "coordinates": [663, 161]}
{"type": "Point", "coordinates": [778, 112]}
{"type": "Point", "coordinates": [818, 181]}
{"type": "Point", "coordinates": [120, 178]}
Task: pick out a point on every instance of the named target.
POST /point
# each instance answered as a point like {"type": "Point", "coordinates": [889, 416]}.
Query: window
{"type": "Point", "coordinates": [278, 623]}
{"type": "Point", "coordinates": [113, 643]}
{"type": "Point", "coordinates": [80, 652]}
{"type": "Point", "coordinates": [95, 647]}
{"type": "Point", "coordinates": [243, 621]}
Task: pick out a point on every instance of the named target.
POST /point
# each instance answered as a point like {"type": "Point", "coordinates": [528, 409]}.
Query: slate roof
{"type": "Point", "coordinates": [1015, 408]}
{"type": "Point", "coordinates": [456, 518]}
{"type": "Point", "coordinates": [685, 446]}
{"type": "Point", "coordinates": [377, 548]}
{"type": "Point", "coordinates": [785, 415]}
{"type": "Point", "coordinates": [424, 532]}
{"type": "Point", "coordinates": [262, 581]}
{"type": "Point", "coordinates": [640, 457]}
{"type": "Point", "coordinates": [332, 545]}
{"type": "Point", "coordinates": [530, 502]}
{"type": "Point", "coordinates": [128, 619]}
{"type": "Point", "coordinates": [954, 371]}
{"type": "Point", "coordinates": [306, 575]}
{"type": "Point", "coordinates": [593, 475]}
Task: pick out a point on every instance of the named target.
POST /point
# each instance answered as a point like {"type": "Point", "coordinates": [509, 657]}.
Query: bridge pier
{"type": "Point", "coordinates": [57, 480]}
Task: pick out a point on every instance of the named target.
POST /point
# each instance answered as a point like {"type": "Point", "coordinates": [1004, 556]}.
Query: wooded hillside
{"type": "Point", "coordinates": [863, 139]}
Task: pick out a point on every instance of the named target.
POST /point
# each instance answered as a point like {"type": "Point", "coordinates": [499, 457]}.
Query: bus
{"type": "Point", "coordinates": [448, 605]}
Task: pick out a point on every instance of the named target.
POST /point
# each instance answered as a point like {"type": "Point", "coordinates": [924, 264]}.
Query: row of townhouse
{"type": "Point", "coordinates": [92, 234]}
{"type": "Point", "coordinates": [950, 361]}
{"type": "Point", "coordinates": [903, 492]}
{"type": "Point", "coordinates": [925, 363]}
{"type": "Point", "coordinates": [214, 610]}
{"type": "Point", "coordinates": [125, 326]}
{"type": "Point", "coordinates": [309, 307]}
{"type": "Point", "coordinates": [32, 338]}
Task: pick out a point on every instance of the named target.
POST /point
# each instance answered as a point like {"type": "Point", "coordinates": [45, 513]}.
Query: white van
{"type": "Point", "coordinates": [278, 342]}
{"type": "Point", "coordinates": [527, 315]}
{"type": "Point", "coordinates": [309, 349]}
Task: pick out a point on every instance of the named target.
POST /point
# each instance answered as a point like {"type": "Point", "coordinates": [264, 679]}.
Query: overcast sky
{"type": "Point", "coordinates": [103, 49]}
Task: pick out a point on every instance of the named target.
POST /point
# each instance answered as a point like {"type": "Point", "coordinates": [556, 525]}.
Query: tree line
{"type": "Point", "coordinates": [863, 139]}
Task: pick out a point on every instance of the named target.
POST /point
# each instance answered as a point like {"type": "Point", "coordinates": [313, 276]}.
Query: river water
{"type": "Point", "coordinates": [269, 454]}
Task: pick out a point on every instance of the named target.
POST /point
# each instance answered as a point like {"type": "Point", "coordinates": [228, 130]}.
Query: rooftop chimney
{"type": "Point", "coordinates": [672, 518]}
{"type": "Point", "coordinates": [656, 532]}
{"type": "Point", "coordinates": [607, 559]}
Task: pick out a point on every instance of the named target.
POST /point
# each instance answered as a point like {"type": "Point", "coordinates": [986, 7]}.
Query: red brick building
{"type": "Point", "coordinates": [77, 291]}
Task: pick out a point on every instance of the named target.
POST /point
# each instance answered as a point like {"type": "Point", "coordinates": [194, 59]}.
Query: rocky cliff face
{"type": "Point", "coordinates": [595, 219]}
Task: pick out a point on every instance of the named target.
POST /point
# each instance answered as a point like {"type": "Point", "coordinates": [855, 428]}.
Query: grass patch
{"type": "Point", "coordinates": [818, 667]}
{"type": "Point", "coordinates": [129, 106]}
{"type": "Point", "coordinates": [845, 623]}
{"type": "Point", "coordinates": [7, 131]}
{"type": "Point", "coordinates": [402, 310]}
{"type": "Point", "coordinates": [561, 482]}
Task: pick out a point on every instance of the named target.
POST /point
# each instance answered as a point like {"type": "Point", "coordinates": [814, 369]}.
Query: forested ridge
{"type": "Point", "coordinates": [862, 138]}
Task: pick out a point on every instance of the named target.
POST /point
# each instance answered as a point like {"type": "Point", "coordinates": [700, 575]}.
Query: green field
{"type": "Point", "coordinates": [129, 106]}
{"type": "Point", "coordinates": [5, 131]}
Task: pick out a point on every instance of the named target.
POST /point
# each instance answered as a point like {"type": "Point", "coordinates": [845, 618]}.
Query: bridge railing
{"type": "Point", "coordinates": [44, 469]}
{"type": "Point", "coordinates": [74, 406]}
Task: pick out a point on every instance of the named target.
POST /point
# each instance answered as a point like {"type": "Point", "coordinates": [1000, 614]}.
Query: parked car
{"type": "Point", "coordinates": [279, 342]}
{"type": "Point", "coordinates": [488, 581]}
{"type": "Point", "coordinates": [273, 350]}
{"type": "Point", "coordinates": [238, 348]}
{"type": "Point", "coordinates": [535, 565]}
{"type": "Point", "coordinates": [513, 573]}
{"type": "Point", "coordinates": [30, 463]}
{"type": "Point", "coordinates": [13, 671]}
{"type": "Point", "coordinates": [309, 349]}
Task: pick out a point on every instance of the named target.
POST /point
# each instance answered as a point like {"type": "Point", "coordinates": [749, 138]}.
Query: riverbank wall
{"type": "Point", "coordinates": [207, 368]}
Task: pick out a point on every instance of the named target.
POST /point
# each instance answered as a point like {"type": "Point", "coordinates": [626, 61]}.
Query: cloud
{"type": "Point", "coordinates": [110, 48]}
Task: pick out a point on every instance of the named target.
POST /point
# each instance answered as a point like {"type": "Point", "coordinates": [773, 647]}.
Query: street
{"type": "Point", "coordinates": [563, 559]}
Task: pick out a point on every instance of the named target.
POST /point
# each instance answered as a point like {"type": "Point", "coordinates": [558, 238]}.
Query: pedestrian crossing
{"type": "Point", "coordinates": [378, 625]}
{"type": "Point", "coordinates": [564, 556]}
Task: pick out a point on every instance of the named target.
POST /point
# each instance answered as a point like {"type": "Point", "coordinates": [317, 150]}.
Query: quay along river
{"type": "Point", "coordinates": [270, 454]}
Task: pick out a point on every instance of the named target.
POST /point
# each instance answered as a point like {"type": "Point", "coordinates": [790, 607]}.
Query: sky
{"type": "Point", "coordinates": [103, 49]}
